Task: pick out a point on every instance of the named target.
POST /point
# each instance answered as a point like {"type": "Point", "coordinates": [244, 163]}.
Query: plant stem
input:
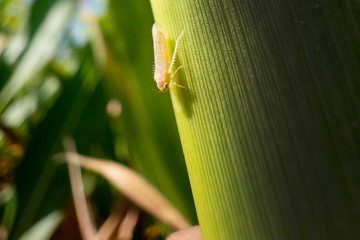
{"type": "Point", "coordinates": [270, 122]}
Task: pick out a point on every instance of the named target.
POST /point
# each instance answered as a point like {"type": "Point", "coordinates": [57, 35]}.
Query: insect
{"type": "Point", "coordinates": [163, 74]}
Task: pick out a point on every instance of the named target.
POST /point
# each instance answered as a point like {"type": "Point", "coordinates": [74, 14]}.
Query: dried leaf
{"type": "Point", "coordinates": [134, 187]}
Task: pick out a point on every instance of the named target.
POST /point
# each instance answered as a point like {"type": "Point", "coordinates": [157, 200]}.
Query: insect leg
{"type": "Point", "coordinates": [178, 85]}
{"type": "Point", "coordinates": [176, 49]}
{"type": "Point", "coordinates": [173, 74]}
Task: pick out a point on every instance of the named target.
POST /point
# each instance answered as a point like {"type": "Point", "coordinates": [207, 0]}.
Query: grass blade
{"type": "Point", "coordinates": [134, 187]}
{"type": "Point", "coordinates": [270, 122]}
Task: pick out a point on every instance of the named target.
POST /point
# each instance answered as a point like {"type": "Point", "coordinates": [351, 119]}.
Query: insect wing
{"type": "Point", "coordinates": [161, 53]}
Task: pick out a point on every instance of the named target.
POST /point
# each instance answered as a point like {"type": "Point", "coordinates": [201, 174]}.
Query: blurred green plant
{"type": "Point", "coordinates": [65, 66]}
{"type": "Point", "coordinates": [269, 119]}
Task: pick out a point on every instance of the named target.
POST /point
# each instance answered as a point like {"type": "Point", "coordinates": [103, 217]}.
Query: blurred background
{"type": "Point", "coordinates": [81, 69]}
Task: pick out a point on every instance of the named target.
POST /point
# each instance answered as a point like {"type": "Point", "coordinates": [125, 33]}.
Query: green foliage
{"type": "Point", "coordinates": [41, 184]}
{"type": "Point", "coordinates": [148, 118]}
{"type": "Point", "coordinates": [269, 119]}
{"type": "Point", "coordinates": [54, 85]}
{"type": "Point", "coordinates": [270, 122]}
